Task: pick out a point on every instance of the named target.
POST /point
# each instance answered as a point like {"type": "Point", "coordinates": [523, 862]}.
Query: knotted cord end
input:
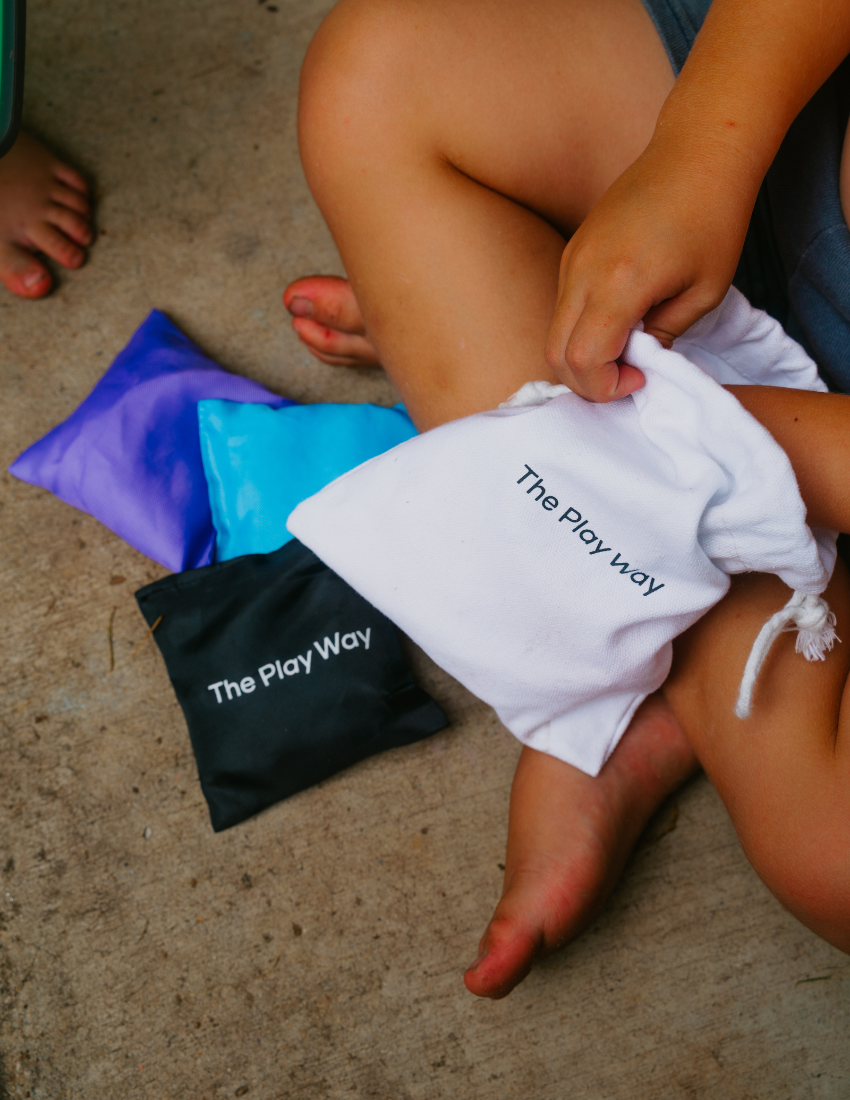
{"type": "Point", "coordinates": [811, 617]}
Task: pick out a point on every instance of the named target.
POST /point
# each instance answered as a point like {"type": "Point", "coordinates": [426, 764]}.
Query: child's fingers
{"type": "Point", "coordinates": [593, 348]}
{"type": "Point", "coordinates": [587, 337]}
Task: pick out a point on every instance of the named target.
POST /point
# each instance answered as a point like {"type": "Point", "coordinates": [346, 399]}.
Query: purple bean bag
{"type": "Point", "coordinates": [130, 455]}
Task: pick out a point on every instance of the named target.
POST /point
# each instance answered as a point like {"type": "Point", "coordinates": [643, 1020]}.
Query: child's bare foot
{"type": "Point", "coordinates": [327, 318]}
{"type": "Point", "coordinates": [569, 837]}
{"type": "Point", "coordinates": [44, 207]}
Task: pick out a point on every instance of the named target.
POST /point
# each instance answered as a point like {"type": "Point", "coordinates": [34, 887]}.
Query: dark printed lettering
{"type": "Point", "coordinates": [585, 533]}
{"type": "Point", "coordinates": [537, 485]}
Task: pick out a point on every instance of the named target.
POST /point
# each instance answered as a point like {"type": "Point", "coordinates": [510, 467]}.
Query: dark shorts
{"type": "Point", "coordinates": [796, 259]}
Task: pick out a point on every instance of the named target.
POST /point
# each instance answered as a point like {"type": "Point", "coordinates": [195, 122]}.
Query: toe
{"type": "Point", "coordinates": [333, 346]}
{"type": "Point", "coordinates": [73, 200]}
{"type": "Point", "coordinates": [326, 299]}
{"type": "Point", "coordinates": [71, 223]}
{"type": "Point", "coordinates": [507, 952]}
{"type": "Point", "coordinates": [48, 239]}
{"type": "Point", "coordinates": [70, 177]}
{"type": "Point", "coordinates": [22, 273]}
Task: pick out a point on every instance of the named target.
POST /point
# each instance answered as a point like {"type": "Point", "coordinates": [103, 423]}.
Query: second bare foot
{"type": "Point", "coordinates": [326, 317]}
{"type": "Point", "coordinates": [44, 207]}
{"type": "Point", "coordinates": [569, 837]}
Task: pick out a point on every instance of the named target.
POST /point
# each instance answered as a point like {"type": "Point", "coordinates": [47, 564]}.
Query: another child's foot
{"type": "Point", "coordinates": [569, 837]}
{"type": "Point", "coordinates": [44, 207]}
{"type": "Point", "coordinates": [327, 318]}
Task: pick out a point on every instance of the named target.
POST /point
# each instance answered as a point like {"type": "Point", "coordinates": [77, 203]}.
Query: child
{"type": "Point", "coordinates": [512, 187]}
{"type": "Point", "coordinates": [44, 207]}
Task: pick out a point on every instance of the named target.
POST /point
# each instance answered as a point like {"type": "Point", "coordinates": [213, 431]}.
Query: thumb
{"type": "Point", "coordinates": [673, 317]}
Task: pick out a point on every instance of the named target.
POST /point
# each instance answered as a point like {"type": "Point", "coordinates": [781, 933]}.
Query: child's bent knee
{"type": "Point", "coordinates": [358, 80]}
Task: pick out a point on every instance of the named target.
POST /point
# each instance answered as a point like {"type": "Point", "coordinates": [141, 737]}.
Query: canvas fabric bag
{"type": "Point", "coordinates": [547, 553]}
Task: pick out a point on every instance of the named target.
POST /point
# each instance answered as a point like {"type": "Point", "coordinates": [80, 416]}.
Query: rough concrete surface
{"type": "Point", "coordinates": [317, 950]}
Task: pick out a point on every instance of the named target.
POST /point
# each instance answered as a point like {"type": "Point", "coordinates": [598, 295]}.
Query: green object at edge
{"type": "Point", "coordinates": [12, 21]}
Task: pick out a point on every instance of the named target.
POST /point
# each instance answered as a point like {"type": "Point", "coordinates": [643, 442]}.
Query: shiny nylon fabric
{"type": "Point", "coordinates": [261, 462]}
{"type": "Point", "coordinates": [130, 455]}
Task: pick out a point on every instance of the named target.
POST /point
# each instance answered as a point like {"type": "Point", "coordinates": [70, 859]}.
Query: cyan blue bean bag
{"type": "Point", "coordinates": [261, 462]}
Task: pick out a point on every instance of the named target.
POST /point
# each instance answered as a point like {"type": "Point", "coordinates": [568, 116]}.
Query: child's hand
{"type": "Point", "coordinates": [660, 246]}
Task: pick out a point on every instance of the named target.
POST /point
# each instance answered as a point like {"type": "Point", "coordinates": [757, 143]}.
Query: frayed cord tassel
{"type": "Point", "coordinates": [815, 625]}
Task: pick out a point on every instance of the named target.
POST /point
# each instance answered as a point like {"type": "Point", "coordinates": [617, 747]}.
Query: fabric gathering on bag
{"type": "Point", "coordinates": [285, 676]}
{"type": "Point", "coordinates": [547, 553]}
{"type": "Point", "coordinates": [260, 462]}
{"type": "Point", "coordinates": [130, 455]}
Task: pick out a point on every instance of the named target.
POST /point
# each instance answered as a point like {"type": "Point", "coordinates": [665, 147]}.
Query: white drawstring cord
{"type": "Point", "coordinates": [815, 623]}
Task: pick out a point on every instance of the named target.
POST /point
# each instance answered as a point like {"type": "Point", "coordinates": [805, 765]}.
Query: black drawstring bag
{"type": "Point", "coordinates": [285, 676]}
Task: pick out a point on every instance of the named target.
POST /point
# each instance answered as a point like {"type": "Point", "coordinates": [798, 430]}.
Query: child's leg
{"type": "Point", "coordinates": [450, 148]}
{"type": "Point", "coordinates": [784, 773]}
{"type": "Point", "coordinates": [44, 207]}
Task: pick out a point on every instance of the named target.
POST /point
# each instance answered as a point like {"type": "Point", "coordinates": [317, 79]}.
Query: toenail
{"type": "Point", "coordinates": [33, 278]}
{"type": "Point", "coordinates": [479, 960]}
{"type": "Point", "coordinates": [301, 307]}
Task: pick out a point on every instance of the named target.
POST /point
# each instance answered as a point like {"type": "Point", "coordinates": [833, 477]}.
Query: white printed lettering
{"type": "Point", "coordinates": [266, 673]}
{"type": "Point", "coordinates": [306, 661]}
{"type": "Point", "coordinates": [365, 636]}
{"type": "Point", "coordinates": [215, 687]}
{"type": "Point", "coordinates": [349, 641]}
{"type": "Point", "coordinates": [290, 667]}
{"type": "Point", "coordinates": [247, 683]}
{"type": "Point", "coordinates": [333, 646]}
{"type": "Point", "coordinates": [228, 687]}
{"type": "Point", "coordinates": [279, 669]}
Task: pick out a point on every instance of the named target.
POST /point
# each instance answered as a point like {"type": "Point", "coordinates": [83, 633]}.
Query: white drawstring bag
{"type": "Point", "coordinates": [547, 553]}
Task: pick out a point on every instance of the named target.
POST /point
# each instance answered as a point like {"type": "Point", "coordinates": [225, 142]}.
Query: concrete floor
{"type": "Point", "coordinates": [317, 950]}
